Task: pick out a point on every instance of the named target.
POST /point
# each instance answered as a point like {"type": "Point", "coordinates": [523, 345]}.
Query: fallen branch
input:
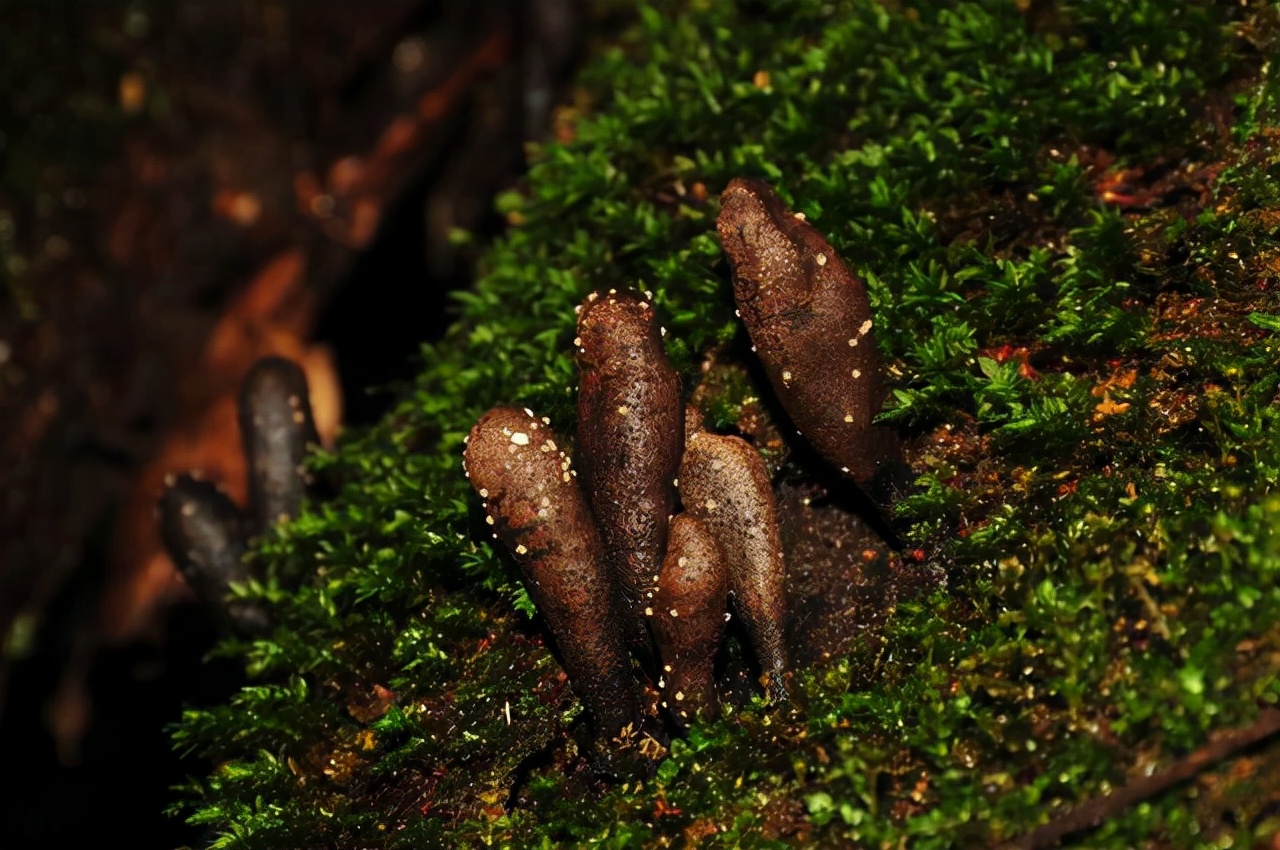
{"type": "Point", "coordinates": [1092, 813]}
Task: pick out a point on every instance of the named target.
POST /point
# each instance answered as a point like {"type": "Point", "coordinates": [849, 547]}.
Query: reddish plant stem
{"type": "Point", "coordinates": [1092, 813]}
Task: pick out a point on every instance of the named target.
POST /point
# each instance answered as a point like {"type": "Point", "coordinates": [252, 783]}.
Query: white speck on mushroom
{"type": "Point", "coordinates": [623, 410]}
{"type": "Point", "coordinates": [674, 613]}
{"type": "Point", "coordinates": [865, 329]}
{"type": "Point", "coordinates": [521, 549]}
{"type": "Point", "coordinates": [821, 259]}
{"type": "Point", "coordinates": [848, 417]}
{"type": "Point", "coordinates": [857, 373]}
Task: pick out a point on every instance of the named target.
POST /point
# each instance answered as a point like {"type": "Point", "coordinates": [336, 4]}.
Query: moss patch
{"type": "Point", "coordinates": [1069, 217]}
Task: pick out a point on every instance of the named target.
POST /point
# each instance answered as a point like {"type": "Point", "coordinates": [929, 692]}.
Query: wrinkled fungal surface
{"type": "Point", "coordinates": [692, 421]}
{"type": "Point", "coordinates": [630, 435]}
{"type": "Point", "coordinates": [276, 427]}
{"type": "Point", "coordinates": [688, 618]}
{"type": "Point", "coordinates": [811, 325]}
{"type": "Point", "coordinates": [724, 483]}
{"type": "Point", "coordinates": [537, 509]}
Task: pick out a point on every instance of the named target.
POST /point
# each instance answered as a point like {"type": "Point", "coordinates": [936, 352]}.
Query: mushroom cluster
{"type": "Point", "coordinates": [635, 553]}
{"type": "Point", "coordinates": [639, 550]}
{"type": "Point", "coordinates": [205, 533]}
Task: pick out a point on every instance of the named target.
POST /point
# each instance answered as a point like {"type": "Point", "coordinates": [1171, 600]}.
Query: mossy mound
{"type": "Point", "coordinates": [1069, 217]}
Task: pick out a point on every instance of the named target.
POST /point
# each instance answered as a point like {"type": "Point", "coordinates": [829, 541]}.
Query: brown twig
{"type": "Point", "coordinates": [1093, 812]}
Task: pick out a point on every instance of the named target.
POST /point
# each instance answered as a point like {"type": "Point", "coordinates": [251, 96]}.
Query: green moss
{"type": "Point", "coordinates": [1069, 220]}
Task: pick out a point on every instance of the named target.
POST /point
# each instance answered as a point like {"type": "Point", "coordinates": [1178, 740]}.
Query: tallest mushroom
{"type": "Point", "coordinates": [630, 436]}
{"type": "Point", "coordinates": [811, 323]}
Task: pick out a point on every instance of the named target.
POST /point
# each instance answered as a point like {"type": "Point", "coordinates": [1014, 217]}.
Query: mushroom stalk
{"type": "Point", "coordinates": [688, 617]}
{"type": "Point", "coordinates": [630, 436]}
{"type": "Point", "coordinates": [276, 427]}
{"type": "Point", "coordinates": [724, 483]}
{"type": "Point", "coordinates": [204, 533]}
{"type": "Point", "coordinates": [536, 508]}
{"type": "Point", "coordinates": [811, 323]}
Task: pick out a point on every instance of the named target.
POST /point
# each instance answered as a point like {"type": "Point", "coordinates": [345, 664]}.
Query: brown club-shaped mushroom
{"type": "Point", "coordinates": [630, 436]}
{"type": "Point", "coordinates": [203, 530]}
{"type": "Point", "coordinates": [538, 511]}
{"type": "Point", "coordinates": [205, 535]}
{"type": "Point", "coordinates": [811, 324]}
{"type": "Point", "coordinates": [723, 482]}
{"type": "Point", "coordinates": [276, 427]}
{"type": "Point", "coordinates": [688, 617]}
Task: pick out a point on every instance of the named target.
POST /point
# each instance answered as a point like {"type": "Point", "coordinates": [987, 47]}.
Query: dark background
{"type": "Point", "coordinates": [154, 159]}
